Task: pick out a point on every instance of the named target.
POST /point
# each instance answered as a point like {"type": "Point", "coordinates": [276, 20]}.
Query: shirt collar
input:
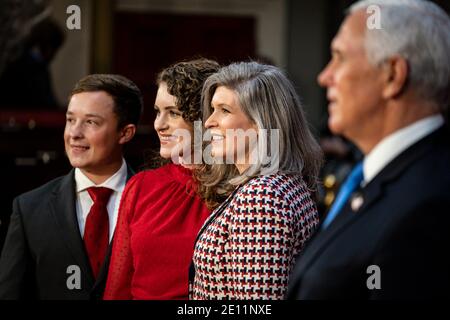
{"type": "Point", "coordinates": [116, 182]}
{"type": "Point", "coordinates": [394, 144]}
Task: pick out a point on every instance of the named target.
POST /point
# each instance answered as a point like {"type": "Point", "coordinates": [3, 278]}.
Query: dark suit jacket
{"type": "Point", "coordinates": [403, 227]}
{"type": "Point", "coordinates": [43, 240]}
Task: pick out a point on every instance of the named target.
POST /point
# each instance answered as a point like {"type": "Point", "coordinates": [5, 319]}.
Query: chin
{"type": "Point", "coordinates": [217, 153]}
{"type": "Point", "coordinates": [76, 163]}
{"type": "Point", "coordinates": [334, 126]}
{"type": "Point", "coordinates": [165, 154]}
{"type": "Point", "coordinates": [80, 166]}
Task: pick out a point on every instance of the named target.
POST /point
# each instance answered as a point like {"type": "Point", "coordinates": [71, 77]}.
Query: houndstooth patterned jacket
{"type": "Point", "coordinates": [248, 246]}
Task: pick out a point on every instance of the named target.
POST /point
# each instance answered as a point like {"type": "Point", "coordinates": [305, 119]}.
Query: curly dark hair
{"type": "Point", "coordinates": [185, 81]}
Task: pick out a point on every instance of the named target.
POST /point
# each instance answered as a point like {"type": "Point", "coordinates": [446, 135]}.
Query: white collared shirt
{"type": "Point", "coordinates": [394, 144]}
{"type": "Point", "coordinates": [84, 202]}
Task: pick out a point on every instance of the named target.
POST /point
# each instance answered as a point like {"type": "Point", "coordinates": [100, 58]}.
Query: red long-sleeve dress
{"type": "Point", "coordinates": [159, 218]}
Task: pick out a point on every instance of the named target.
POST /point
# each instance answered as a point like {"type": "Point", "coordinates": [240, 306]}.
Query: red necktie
{"type": "Point", "coordinates": [96, 231]}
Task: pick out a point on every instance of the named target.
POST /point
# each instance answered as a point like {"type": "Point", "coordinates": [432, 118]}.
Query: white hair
{"type": "Point", "coordinates": [418, 31]}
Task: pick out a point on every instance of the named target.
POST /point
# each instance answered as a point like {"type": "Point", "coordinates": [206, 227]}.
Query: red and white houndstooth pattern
{"type": "Point", "coordinates": [247, 250]}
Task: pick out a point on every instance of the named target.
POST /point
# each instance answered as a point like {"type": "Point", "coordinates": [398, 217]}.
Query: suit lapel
{"type": "Point", "coordinates": [370, 194]}
{"type": "Point", "coordinates": [64, 211]}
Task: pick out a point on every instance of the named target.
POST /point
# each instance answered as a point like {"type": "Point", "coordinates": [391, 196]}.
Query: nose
{"type": "Point", "coordinates": [324, 78]}
{"type": "Point", "coordinates": [75, 130]}
{"type": "Point", "coordinates": [160, 123]}
{"type": "Point", "coordinates": [211, 121]}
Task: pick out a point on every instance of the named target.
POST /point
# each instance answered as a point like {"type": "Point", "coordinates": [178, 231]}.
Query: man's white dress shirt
{"type": "Point", "coordinates": [84, 202]}
{"type": "Point", "coordinates": [394, 144]}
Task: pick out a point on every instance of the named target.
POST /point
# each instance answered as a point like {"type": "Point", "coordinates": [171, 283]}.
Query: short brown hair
{"type": "Point", "coordinates": [126, 95]}
{"type": "Point", "coordinates": [185, 82]}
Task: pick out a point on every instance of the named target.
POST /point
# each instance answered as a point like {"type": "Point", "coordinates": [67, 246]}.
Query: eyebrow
{"type": "Point", "coordinates": [88, 115]}
{"type": "Point", "coordinates": [222, 105]}
{"type": "Point", "coordinates": [219, 103]}
{"type": "Point", "coordinates": [167, 108]}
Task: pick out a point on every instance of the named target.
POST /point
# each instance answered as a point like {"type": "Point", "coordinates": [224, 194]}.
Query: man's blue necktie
{"type": "Point", "coordinates": [352, 182]}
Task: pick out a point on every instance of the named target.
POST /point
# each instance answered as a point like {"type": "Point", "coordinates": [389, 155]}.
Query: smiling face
{"type": "Point", "coordinates": [226, 118]}
{"type": "Point", "coordinates": [169, 123]}
{"type": "Point", "coordinates": [354, 86]}
{"type": "Point", "coordinates": [93, 141]}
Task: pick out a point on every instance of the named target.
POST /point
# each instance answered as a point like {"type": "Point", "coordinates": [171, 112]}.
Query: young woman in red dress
{"type": "Point", "coordinates": [160, 212]}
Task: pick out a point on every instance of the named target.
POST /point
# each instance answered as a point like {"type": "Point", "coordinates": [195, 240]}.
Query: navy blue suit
{"type": "Point", "coordinates": [402, 226]}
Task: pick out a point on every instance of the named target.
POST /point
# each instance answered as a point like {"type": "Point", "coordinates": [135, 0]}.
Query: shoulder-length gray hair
{"type": "Point", "coordinates": [268, 99]}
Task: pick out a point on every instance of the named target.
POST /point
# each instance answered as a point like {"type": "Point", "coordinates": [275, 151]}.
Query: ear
{"type": "Point", "coordinates": [396, 74]}
{"type": "Point", "coordinates": [127, 133]}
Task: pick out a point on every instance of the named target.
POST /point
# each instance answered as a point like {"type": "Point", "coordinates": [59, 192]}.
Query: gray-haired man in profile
{"type": "Point", "coordinates": [387, 233]}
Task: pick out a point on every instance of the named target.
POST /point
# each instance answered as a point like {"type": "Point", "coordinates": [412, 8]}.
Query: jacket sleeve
{"type": "Point", "coordinates": [15, 260]}
{"type": "Point", "coordinates": [121, 270]}
{"type": "Point", "coordinates": [261, 246]}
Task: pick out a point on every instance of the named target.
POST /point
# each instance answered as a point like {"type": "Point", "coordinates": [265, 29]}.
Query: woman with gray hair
{"type": "Point", "coordinates": [248, 246]}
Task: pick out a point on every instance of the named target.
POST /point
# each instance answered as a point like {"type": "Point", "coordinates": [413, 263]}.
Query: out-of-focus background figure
{"type": "Point", "coordinates": [26, 80]}
{"type": "Point", "coordinates": [17, 19]}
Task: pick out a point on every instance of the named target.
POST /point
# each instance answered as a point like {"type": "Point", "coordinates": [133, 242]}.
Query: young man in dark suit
{"type": "Point", "coordinates": [57, 246]}
{"type": "Point", "coordinates": [387, 234]}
